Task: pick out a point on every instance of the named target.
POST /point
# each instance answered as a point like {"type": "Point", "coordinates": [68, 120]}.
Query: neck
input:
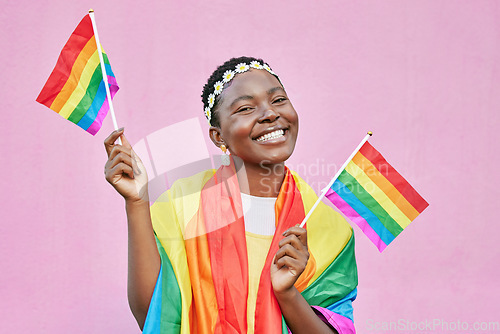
{"type": "Point", "coordinates": [259, 180]}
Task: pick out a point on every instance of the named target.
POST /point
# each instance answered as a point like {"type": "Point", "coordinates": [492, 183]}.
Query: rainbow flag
{"type": "Point", "coordinates": [372, 194]}
{"type": "Point", "coordinates": [76, 88]}
{"type": "Point", "coordinates": [204, 284]}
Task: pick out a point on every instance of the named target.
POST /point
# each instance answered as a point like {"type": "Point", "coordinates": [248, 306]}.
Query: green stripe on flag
{"type": "Point", "coordinates": [338, 279]}
{"type": "Point", "coordinates": [171, 300]}
{"type": "Point", "coordinates": [88, 98]}
{"type": "Point", "coordinates": [352, 184]}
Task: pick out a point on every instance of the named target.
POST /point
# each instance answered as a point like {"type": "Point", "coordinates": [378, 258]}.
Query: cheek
{"type": "Point", "coordinates": [237, 131]}
{"type": "Point", "coordinates": [295, 118]}
{"type": "Point", "coordinates": [292, 116]}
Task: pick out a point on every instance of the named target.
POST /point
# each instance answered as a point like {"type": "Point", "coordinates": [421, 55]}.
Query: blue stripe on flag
{"type": "Point", "coordinates": [351, 199]}
{"type": "Point", "coordinates": [153, 320]}
{"type": "Point", "coordinates": [344, 306]}
{"type": "Point", "coordinates": [91, 113]}
{"type": "Point", "coordinates": [109, 71]}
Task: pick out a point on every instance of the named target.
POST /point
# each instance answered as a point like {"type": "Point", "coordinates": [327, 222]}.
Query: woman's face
{"type": "Point", "coordinates": [257, 120]}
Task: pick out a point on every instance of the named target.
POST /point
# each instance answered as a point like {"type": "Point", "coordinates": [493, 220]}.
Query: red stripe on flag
{"type": "Point", "coordinates": [69, 53]}
{"type": "Point", "coordinates": [399, 182]}
{"type": "Point", "coordinates": [289, 211]}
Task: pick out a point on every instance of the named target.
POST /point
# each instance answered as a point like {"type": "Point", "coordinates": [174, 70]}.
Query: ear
{"type": "Point", "coordinates": [216, 136]}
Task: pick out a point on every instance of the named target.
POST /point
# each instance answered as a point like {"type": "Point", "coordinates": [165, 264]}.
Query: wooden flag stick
{"type": "Point", "coordinates": [104, 74]}
{"type": "Point", "coordinates": [325, 190]}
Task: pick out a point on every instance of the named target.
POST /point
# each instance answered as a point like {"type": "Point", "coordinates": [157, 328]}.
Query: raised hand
{"type": "Point", "coordinates": [124, 170]}
{"type": "Point", "coordinates": [290, 259]}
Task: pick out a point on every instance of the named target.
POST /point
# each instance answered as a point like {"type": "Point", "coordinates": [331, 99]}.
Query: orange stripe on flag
{"type": "Point", "coordinates": [398, 181]}
{"type": "Point", "coordinates": [74, 77]}
{"type": "Point", "coordinates": [204, 307]}
{"type": "Point", "coordinates": [394, 195]}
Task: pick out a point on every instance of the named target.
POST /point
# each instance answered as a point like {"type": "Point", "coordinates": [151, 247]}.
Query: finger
{"type": "Point", "coordinates": [288, 250]}
{"type": "Point", "coordinates": [300, 232]}
{"type": "Point", "coordinates": [119, 169]}
{"type": "Point", "coordinates": [294, 267]}
{"type": "Point", "coordinates": [136, 163]}
{"type": "Point", "coordinates": [117, 149]}
{"type": "Point", "coordinates": [121, 158]}
{"type": "Point", "coordinates": [294, 241]}
{"type": "Point", "coordinates": [109, 142]}
{"type": "Point", "coordinates": [297, 230]}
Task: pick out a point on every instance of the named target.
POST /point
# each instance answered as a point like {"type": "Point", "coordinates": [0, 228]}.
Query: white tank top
{"type": "Point", "coordinates": [259, 214]}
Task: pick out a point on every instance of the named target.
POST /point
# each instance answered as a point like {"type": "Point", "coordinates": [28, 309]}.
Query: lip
{"type": "Point", "coordinates": [271, 129]}
{"type": "Point", "coordinates": [274, 141]}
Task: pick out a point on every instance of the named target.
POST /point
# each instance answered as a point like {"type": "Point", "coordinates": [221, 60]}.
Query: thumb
{"type": "Point", "coordinates": [125, 142]}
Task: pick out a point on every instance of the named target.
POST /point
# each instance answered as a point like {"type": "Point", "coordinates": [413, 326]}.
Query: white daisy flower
{"type": "Point", "coordinates": [208, 113]}
{"type": "Point", "coordinates": [256, 64]}
{"type": "Point", "coordinates": [218, 87]}
{"type": "Point", "coordinates": [268, 69]}
{"type": "Point", "coordinates": [242, 67]}
{"type": "Point", "coordinates": [228, 76]}
{"type": "Point", "coordinates": [211, 100]}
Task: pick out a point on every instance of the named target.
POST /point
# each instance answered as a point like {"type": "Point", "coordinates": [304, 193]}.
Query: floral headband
{"type": "Point", "coordinates": [227, 77]}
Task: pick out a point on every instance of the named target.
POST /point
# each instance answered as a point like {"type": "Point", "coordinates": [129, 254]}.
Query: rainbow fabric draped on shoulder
{"type": "Point", "coordinates": [203, 282]}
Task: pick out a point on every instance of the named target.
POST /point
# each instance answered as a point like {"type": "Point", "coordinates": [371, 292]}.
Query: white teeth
{"type": "Point", "coordinates": [272, 135]}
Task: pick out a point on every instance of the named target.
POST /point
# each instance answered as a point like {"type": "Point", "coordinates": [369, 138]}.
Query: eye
{"type": "Point", "coordinates": [279, 99]}
{"type": "Point", "coordinates": [243, 109]}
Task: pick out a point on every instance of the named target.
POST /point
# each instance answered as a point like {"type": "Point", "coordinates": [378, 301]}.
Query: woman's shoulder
{"type": "Point", "coordinates": [187, 185]}
{"type": "Point", "coordinates": [178, 204]}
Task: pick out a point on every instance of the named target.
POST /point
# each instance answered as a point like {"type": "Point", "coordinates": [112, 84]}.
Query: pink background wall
{"type": "Point", "coordinates": [424, 76]}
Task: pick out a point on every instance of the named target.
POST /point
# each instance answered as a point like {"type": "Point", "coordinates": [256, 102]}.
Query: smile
{"type": "Point", "coordinates": [272, 135]}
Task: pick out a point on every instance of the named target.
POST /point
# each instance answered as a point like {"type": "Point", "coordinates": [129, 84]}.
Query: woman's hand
{"type": "Point", "coordinates": [124, 169]}
{"type": "Point", "coordinates": [290, 260]}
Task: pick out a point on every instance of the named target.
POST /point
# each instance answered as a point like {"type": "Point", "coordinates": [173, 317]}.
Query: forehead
{"type": "Point", "coordinates": [251, 82]}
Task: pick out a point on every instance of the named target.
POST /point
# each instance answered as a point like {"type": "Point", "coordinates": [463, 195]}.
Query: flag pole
{"type": "Point", "coordinates": [325, 190]}
{"type": "Point", "coordinates": [104, 75]}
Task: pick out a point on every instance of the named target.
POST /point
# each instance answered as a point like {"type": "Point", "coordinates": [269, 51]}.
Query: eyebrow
{"type": "Point", "coordinates": [243, 97]}
{"type": "Point", "coordinates": [273, 90]}
{"type": "Point", "coordinates": [250, 97]}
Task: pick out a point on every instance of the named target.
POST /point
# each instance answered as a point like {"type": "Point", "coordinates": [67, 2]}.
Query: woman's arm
{"type": "Point", "coordinates": [289, 262]}
{"type": "Point", "coordinates": [126, 173]}
{"type": "Point", "coordinates": [299, 315]}
{"type": "Point", "coordinates": [143, 259]}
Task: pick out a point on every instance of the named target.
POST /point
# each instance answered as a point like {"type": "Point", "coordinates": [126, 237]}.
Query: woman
{"type": "Point", "coordinates": [222, 251]}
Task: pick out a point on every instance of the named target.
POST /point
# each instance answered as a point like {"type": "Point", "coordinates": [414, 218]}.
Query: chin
{"type": "Point", "coordinates": [274, 159]}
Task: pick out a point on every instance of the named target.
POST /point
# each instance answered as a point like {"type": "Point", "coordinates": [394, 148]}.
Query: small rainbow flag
{"type": "Point", "coordinates": [76, 88]}
{"type": "Point", "coordinates": [372, 194]}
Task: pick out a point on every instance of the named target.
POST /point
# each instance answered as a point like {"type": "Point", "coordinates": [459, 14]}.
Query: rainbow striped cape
{"type": "Point", "coordinates": [75, 88]}
{"type": "Point", "coordinates": [203, 282]}
{"type": "Point", "coordinates": [372, 194]}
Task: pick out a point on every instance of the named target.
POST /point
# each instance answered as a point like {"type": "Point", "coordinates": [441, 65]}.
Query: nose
{"type": "Point", "coordinates": [269, 116]}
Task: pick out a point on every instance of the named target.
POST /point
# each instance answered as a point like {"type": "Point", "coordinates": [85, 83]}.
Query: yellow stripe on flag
{"type": "Point", "coordinates": [385, 185]}
{"type": "Point", "coordinates": [75, 75]}
{"type": "Point", "coordinates": [377, 193]}
{"type": "Point", "coordinates": [81, 87]}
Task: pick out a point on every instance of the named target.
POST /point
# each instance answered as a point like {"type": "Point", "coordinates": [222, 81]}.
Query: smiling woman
{"type": "Point", "coordinates": [257, 123]}
{"type": "Point", "coordinates": [221, 251]}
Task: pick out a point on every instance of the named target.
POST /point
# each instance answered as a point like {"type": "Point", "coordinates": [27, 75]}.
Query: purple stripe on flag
{"type": "Point", "coordinates": [96, 125]}
{"type": "Point", "coordinates": [356, 218]}
{"type": "Point", "coordinates": [112, 82]}
{"type": "Point", "coordinates": [342, 324]}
